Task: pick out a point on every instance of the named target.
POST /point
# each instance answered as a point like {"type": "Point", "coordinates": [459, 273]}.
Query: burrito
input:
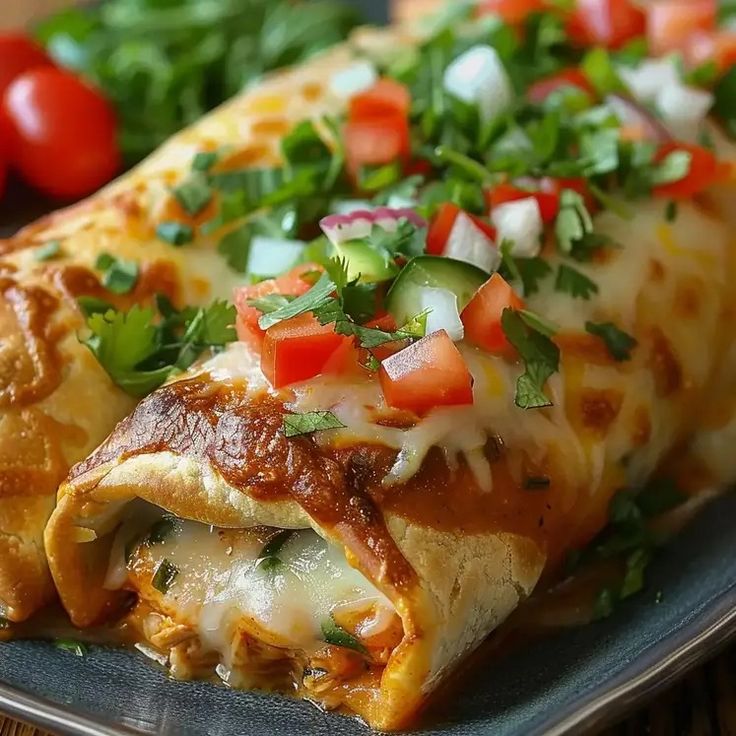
{"type": "Point", "coordinates": [517, 308]}
{"type": "Point", "coordinates": [140, 237]}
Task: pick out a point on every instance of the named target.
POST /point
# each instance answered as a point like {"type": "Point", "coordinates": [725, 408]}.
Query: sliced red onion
{"type": "Point", "coordinates": [631, 112]}
{"type": "Point", "coordinates": [467, 242]}
{"type": "Point", "coordinates": [343, 228]}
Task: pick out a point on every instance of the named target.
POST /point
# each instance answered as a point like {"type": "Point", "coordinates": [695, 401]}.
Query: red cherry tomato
{"type": "Point", "coordinates": [18, 54]}
{"type": "Point", "coordinates": [512, 12]}
{"type": "Point", "coordinates": [63, 133]}
{"type": "Point", "coordinates": [430, 372]}
{"type": "Point", "coordinates": [542, 89]}
{"type": "Point", "coordinates": [609, 23]}
{"type": "Point", "coordinates": [705, 170]}
{"type": "Point", "coordinates": [670, 22]}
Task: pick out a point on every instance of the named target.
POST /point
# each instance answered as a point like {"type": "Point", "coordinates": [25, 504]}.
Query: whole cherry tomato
{"type": "Point", "coordinates": [63, 133]}
{"type": "Point", "coordinates": [18, 54]}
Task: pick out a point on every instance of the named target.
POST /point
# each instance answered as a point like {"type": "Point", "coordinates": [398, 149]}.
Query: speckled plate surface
{"type": "Point", "coordinates": [575, 679]}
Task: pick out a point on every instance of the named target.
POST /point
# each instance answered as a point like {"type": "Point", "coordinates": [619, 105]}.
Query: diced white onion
{"type": "Point", "coordinates": [467, 242]}
{"type": "Point", "coordinates": [519, 222]}
{"type": "Point", "coordinates": [478, 77]}
{"type": "Point", "coordinates": [354, 79]}
{"type": "Point", "coordinates": [348, 206]}
{"type": "Point", "coordinates": [272, 256]}
{"type": "Point", "coordinates": [398, 202]}
{"type": "Point", "coordinates": [683, 109]}
{"type": "Point", "coordinates": [443, 312]}
{"type": "Point", "coordinates": [650, 77]}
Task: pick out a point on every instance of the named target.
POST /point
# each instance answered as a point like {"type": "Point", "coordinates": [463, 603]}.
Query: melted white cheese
{"type": "Point", "coordinates": [222, 586]}
{"type": "Point", "coordinates": [690, 247]}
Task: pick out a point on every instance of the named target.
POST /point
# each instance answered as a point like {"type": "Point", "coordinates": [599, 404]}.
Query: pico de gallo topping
{"type": "Point", "coordinates": [464, 176]}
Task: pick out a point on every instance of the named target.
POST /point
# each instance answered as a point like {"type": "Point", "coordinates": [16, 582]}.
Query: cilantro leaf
{"type": "Point", "coordinates": [334, 634]}
{"type": "Point", "coordinates": [139, 352]}
{"type": "Point", "coordinates": [573, 220]}
{"type": "Point", "coordinates": [526, 271]}
{"type": "Point", "coordinates": [176, 233]}
{"type": "Point", "coordinates": [619, 343]}
{"type": "Point", "coordinates": [308, 422]}
{"type": "Point", "coordinates": [573, 282]}
{"type": "Point", "coordinates": [674, 167]}
{"type": "Point", "coordinates": [540, 355]}
{"type": "Point", "coordinates": [193, 194]}
{"type": "Point", "coordinates": [725, 100]}
{"type": "Point", "coordinates": [319, 296]}
{"type": "Point", "coordinates": [48, 251]}
{"type": "Point", "coordinates": [118, 275]}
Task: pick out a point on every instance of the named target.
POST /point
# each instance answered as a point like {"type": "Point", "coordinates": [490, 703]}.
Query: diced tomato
{"type": "Point", "coordinates": [388, 324]}
{"type": "Point", "coordinates": [670, 22]}
{"type": "Point", "coordinates": [542, 89]}
{"type": "Point", "coordinates": [609, 23]}
{"type": "Point", "coordinates": [705, 170]}
{"type": "Point", "coordinates": [443, 222]}
{"type": "Point", "coordinates": [431, 372]}
{"type": "Point", "coordinates": [717, 46]}
{"type": "Point", "coordinates": [297, 349]}
{"type": "Point", "coordinates": [548, 201]}
{"type": "Point", "coordinates": [290, 284]}
{"type": "Point", "coordinates": [377, 141]}
{"type": "Point", "coordinates": [385, 97]}
{"type": "Point", "coordinates": [513, 12]}
{"type": "Point", "coordinates": [377, 131]}
{"type": "Point", "coordinates": [482, 316]}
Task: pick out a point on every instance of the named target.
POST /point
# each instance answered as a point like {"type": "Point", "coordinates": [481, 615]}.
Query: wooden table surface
{"type": "Point", "coordinates": [703, 704]}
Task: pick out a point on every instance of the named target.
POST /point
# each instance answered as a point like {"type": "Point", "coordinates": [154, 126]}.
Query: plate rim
{"type": "Point", "coordinates": [701, 637]}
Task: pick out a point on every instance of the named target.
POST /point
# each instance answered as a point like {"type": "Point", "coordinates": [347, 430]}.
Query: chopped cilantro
{"type": "Point", "coordinates": [165, 574]}
{"type": "Point", "coordinates": [603, 605]}
{"type": "Point", "coordinates": [571, 281]}
{"type": "Point", "coordinates": [670, 212]}
{"type": "Point", "coordinates": [176, 233]}
{"type": "Point", "coordinates": [204, 160]}
{"type": "Point", "coordinates": [724, 105]}
{"type": "Point", "coordinates": [540, 355]}
{"type": "Point", "coordinates": [673, 167]}
{"type": "Point", "coordinates": [377, 178]}
{"type": "Point", "coordinates": [636, 564]}
{"type": "Point", "coordinates": [619, 343]}
{"type": "Point", "coordinates": [193, 194]}
{"type": "Point", "coordinates": [77, 648]}
{"type": "Point", "coordinates": [308, 422]}
{"type": "Point", "coordinates": [573, 221]}
{"type": "Point", "coordinates": [319, 296]}
{"type": "Point", "coordinates": [48, 251]}
{"type": "Point", "coordinates": [162, 529]}
{"type": "Point", "coordinates": [140, 353]}
{"type": "Point", "coordinates": [334, 634]}
{"type": "Point", "coordinates": [118, 276]}
{"type": "Point", "coordinates": [598, 67]}
{"type": "Point", "coordinates": [269, 559]}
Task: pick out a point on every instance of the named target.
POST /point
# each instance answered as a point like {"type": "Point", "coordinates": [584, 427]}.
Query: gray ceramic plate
{"type": "Point", "coordinates": [573, 680]}
{"type": "Point", "coordinates": [577, 678]}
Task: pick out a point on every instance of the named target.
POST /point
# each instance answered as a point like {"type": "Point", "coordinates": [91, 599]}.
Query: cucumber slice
{"type": "Point", "coordinates": [365, 262]}
{"type": "Point", "coordinates": [463, 279]}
